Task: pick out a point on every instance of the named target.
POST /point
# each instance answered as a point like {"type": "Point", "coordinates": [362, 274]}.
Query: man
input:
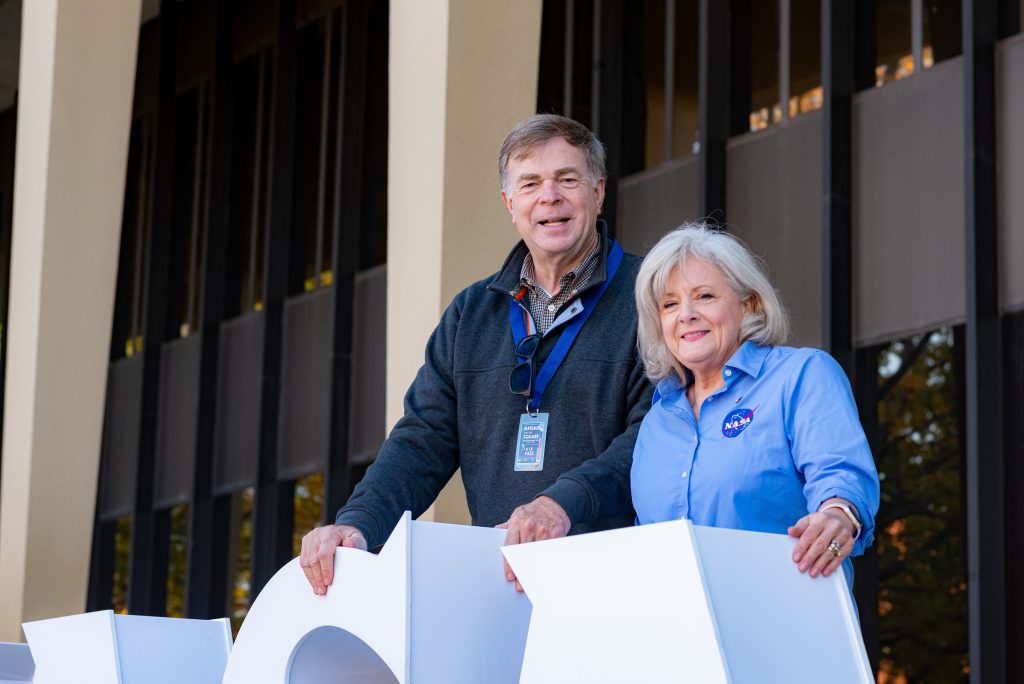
{"type": "Point", "coordinates": [543, 453]}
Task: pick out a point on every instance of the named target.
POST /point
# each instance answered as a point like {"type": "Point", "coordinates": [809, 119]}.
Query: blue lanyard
{"type": "Point", "coordinates": [572, 328]}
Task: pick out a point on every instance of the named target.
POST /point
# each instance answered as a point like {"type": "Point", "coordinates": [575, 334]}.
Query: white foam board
{"type": "Point", "coordinates": [16, 664]}
{"type": "Point", "coordinates": [619, 606]}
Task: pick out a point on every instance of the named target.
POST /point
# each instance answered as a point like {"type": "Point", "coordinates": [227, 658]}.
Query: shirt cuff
{"type": "Point", "coordinates": [867, 520]}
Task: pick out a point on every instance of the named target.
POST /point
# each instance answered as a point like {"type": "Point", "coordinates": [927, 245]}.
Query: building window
{"type": "Point", "coordinates": [122, 557]}
{"type": "Point", "coordinates": [805, 92]}
{"type": "Point", "coordinates": [913, 35]}
{"type": "Point", "coordinates": [191, 177]}
{"type": "Point", "coordinates": [131, 273]}
{"type": "Point", "coordinates": [315, 141]}
{"type": "Point", "coordinates": [941, 28]}
{"type": "Point", "coordinates": [177, 560]}
{"type": "Point", "coordinates": [240, 579]}
{"type": "Point", "coordinates": [893, 56]}
{"type": "Point", "coordinates": [567, 31]}
{"type": "Point", "coordinates": [764, 64]}
{"type": "Point", "coordinates": [309, 508]}
{"type": "Point", "coordinates": [785, 59]}
{"type": "Point", "coordinates": [249, 152]}
{"type": "Point", "coordinates": [920, 528]}
{"type": "Point", "coordinates": [670, 58]}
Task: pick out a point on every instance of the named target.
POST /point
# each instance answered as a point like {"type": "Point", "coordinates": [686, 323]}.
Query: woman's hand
{"type": "Point", "coordinates": [825, 538]}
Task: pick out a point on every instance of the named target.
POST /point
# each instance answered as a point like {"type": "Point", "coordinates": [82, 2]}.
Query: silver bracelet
{"type": "Point", "coordinates": [849, 514]}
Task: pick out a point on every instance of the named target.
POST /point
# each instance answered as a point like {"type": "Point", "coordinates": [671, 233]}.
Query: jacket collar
{"type": "Point", "coordinates": [507, 279]}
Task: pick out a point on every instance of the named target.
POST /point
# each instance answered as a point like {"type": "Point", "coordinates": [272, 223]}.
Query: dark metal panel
{"type": "Point", "coordinates": [347, 228]}
{"type": "Point", "coordinates": [1010, 17]}
{"type": "Point", "coordinates": [653, 202]}
{"type": "Point", "coordinates": [305, 405]}
{"type": "Point", "coordinates": [207, 559]}
{"type": "Point", "coordinates": [1010, 124]}
{"type": "Point", "coordinates": [373, 228]}
{"type": "Point", "coordinates": [865, 47]}
{"type": "Point", "coordinates": [101, 567]}
{"type": "Point", "coordinates": [367, 414]}
{"type": "Point", "coordinates": [1013, 423]}
{"type": "Point", "coordinates": [272, 513]}
{"type": "Point", "coordinates": [740, 42]}
{"type": "Point", "coordinates": [254, 23]}
{"type": "Point", "coordinates": [158, 326]}
{"type": "Point", "coordinates": [774, 194]}
{"type": "Point", "coordinates": [714, 107]}
{"type": "Point", "coordinates": [196, 43]}
{"type": "Point", "coordinates": [177, 414]}
{"type": "Point", "coordinates": [120, 438]}
{"type": "Point", "coordinates": [618, 86]}
{"type": "Point", "coordinates": [865, 567]}
{"type": "Point", "coordinates": [161, 564]}
{"type": "Point", "coordinates": [557, 41]}
{"type": "Point", "coordinates": [908, 203]}
{"type": "Point", "coordinates": [8, 126]}
{"type": "Point", "coordinates": [837, 78]}
{"type": "Point", "coordinates": [986, 526]}
{"type": "Point", "coordinates": [239, 391]}
{"type": "Point", "coordinates": [147, 67]}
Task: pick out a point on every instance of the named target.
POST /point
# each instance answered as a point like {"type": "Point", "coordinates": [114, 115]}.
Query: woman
{"type": "Point", "coordinates": [744, 433]}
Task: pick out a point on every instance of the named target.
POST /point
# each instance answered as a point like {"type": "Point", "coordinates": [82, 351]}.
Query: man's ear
{"type": "Point", "coordinates": [507, 200]}
{"type": "Point", "coordinates": [599, 189]}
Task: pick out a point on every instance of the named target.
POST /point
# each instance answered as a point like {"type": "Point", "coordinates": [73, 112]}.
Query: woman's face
{"type": "Point", "coordinates": [701, 317]}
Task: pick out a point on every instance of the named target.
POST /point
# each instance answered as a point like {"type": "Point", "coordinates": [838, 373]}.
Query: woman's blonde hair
{"type": "Point", "coordinates": [767, 324]}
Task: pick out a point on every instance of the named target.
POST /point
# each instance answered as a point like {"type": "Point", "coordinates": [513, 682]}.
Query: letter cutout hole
{"type": "Point", "coordinates": [331, 654]}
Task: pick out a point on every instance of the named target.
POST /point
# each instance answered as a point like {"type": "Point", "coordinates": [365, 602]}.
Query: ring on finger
{"type": "Point", "coordinates": [834, 547]}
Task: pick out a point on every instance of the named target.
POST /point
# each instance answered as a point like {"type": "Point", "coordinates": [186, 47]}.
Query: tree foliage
{"type": "Point", "coordinates": [920, 528]}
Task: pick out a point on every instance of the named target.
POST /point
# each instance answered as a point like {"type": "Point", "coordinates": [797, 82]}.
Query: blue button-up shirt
{"type": "Point", "coordinates": [779, 438]}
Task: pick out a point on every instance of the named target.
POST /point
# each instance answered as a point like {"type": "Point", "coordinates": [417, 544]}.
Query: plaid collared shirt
{"type": "Point", "coordinates": [543, 306]}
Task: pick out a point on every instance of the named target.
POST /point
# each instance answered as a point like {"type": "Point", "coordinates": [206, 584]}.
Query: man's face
{"type": "Point", "coordinates": [553, 205]}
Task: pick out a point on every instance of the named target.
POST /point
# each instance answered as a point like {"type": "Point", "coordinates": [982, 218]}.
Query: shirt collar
{"type": "Point", "coordinates": [507, 280]}
{"type": "Point", "coordinates": [749, 358]}
{"type": "Point", "coordinates": [528, 273]}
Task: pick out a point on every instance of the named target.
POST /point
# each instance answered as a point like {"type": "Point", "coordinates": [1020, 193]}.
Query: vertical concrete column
{"type": "Point", "coordinates": [462, 73]}
{"type": "Point", "coordinates": [74, 114]}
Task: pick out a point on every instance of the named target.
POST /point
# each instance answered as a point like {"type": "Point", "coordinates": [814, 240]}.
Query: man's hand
{"type": "Point", "coordinates": [317, 557]}
{"type": "Point", "coordinates": [542, 518]}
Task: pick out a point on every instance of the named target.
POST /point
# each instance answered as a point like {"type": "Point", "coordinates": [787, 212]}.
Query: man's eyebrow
{"type": "Point", "coordinates": [527, 177]}
{"type": "Point", "coordinates": [564, 171]}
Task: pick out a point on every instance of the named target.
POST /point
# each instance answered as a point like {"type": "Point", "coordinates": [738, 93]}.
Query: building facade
{"type": "Point", "coordinates": [292, 191]}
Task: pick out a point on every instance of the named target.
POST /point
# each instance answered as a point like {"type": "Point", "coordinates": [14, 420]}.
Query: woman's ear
{"type": "Point", "coordinates": [752, 304]}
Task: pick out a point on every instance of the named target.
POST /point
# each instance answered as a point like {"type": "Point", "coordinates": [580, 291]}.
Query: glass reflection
{"type": "Point", "coordinates": [920, 529]}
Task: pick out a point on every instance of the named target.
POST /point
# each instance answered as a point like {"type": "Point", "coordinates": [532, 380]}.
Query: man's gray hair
{"type": "Point", "coordinates": [539, 129]}
{"type": "Point", "coordinates": [767, 324]}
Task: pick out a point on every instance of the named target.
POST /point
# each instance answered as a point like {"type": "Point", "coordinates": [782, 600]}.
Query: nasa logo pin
{"type": "Point", "coordinates": [737, 421]}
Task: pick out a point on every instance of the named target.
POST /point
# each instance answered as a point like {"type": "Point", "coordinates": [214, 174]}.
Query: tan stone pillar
{"type": "Point", "coordinates": [462, 73]}
{"type": "Point", "coordinates": [74, 114]}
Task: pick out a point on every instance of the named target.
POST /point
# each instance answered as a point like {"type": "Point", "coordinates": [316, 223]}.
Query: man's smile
{"type": "Point", "coordinates": [553, 222]}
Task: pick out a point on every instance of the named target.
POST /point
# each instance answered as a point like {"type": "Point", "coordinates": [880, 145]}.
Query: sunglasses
{"type": "Point", "coordinates": [520, 380]}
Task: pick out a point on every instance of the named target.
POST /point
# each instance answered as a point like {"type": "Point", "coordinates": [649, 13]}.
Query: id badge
{"type": "Point", "coordinates": [533, 433]}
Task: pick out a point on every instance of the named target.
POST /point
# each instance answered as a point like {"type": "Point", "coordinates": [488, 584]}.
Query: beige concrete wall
{"type": "Point", "coordinates": [74, 108]}
{"type": "Point", "coordinates": [462, 73]}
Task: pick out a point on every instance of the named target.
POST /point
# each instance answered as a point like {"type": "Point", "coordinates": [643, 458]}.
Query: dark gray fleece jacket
{"type": "Point", "coordinates": [459, 412]}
